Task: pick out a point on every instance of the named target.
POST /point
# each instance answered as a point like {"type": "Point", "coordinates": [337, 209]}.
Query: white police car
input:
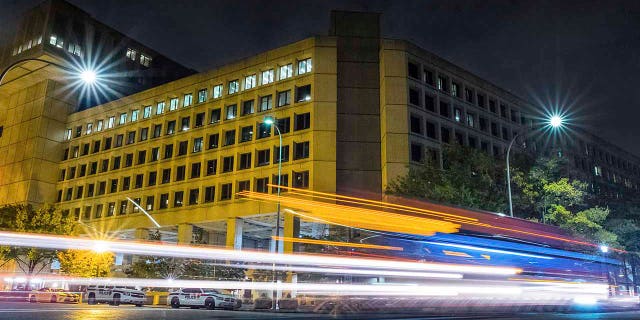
{"type": "Point", "coordinates": [199, 297]}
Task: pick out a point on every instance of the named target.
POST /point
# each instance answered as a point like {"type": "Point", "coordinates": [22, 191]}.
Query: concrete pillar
{"type": "Point", "coordinates": [185, 233]}
{"type": "Point", "coordinates": [141, 234]}
{"type": "Point", "coordinates": [234, 233]}
{"type": "Point", "coordinates": [291, 230]}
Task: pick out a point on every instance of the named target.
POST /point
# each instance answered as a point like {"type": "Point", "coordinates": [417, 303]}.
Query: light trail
{"type": "Point", "coordinates": [198, 252]}
{"type": "Point", "coordinates": [357, 271]}
{"type": "Point", "coordinates": [336, 243]}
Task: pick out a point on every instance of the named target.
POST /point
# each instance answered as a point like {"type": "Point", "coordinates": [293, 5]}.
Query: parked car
{"type": "Point", "coordinates": [53, 295]}
{"type": "Point", "coordinates": [201, 298]}
{"type": "Point", "coordinates": [115, 295]}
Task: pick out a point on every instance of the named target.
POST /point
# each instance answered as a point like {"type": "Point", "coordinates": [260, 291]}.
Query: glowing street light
{"type": "Point", "coordinates": [269, 120]}
{"type": "Point", "coordinates": [100, 247]}
{"type": "Point", "coordinates": [555, 122]}
{"type": "Point", "coordinates": [88, 76]}
{"type": "Point", "coordinates": [604, 248]}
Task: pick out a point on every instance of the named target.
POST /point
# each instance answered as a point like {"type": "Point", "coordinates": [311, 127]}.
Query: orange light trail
{"type": "Point", "coordinates": [336, 243]}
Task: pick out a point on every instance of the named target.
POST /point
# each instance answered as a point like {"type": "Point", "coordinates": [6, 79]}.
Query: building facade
{"type": "Point", "coordinates": [354, 111]}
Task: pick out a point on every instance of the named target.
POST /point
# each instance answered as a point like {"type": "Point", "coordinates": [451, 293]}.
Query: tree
{"type": "Point", "coordinates": [85, 263]}
{"type": "Point", "coordinates": [469, 178]}
{"type": "Point", "coordinates": [24, 218]}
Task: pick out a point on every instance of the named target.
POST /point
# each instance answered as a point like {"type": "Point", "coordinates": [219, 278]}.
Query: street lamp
{"type": "Point", "coordinates": [269, 120]}
{"type": "Point", "coordinates": [87, 76]}
{"type": "Point", "coordinates": [555, 122]}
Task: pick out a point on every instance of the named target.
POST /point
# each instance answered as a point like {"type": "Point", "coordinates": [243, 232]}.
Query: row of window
{"type": "Point", "coordinates": [262, 157]}
{"type": "Point", "coordinates": [248, 107]}
{"type": "Point", "coordinates": [448, 85]}
{"type": "Point", "coordinates": [134, 55]}
{"type": "Point", "coordinates": [27, 45]}
{"type": "Point", "coordinates": [418, 126]}
{"type": "Point", "coordinates": [230, 137]}
{"type": "Point", "coordinates": [192, 196]}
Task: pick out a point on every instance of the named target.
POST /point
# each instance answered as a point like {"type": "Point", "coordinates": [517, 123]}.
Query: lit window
{"type": "Point", "coordinates": [202, 95]}
{"type": "Point", "coordinates": [217, 91]}
{"type": "Point", "coordinates": [597, 171]}
{"type": "Point", "coordinates": [144, 60]}
{"type": "Point", "coordinates": [250, 82]}
{"type": "Point", "coordinates": [67, 135]}
{"type": "Point", "coordinates": [234, 86]}
{"type": "Point", "coordinates": [134, 115]}
{"type": "Point", "coordinates": [89, 128]}
{"type": "Point", "coordinates": [266, 103]}
{"type": "Point", "coordinates": [173, 104]}
{"type": "Point", "coordinates": [304, 66]}
{"type": "Point", "coordinates": [188, 99]}
{"type": "Point", "coordinates": [231, 112]}
{"type": "Point", "coordinates": [55, 41]}
{"type": "Point", "coordinates": [147, 112]}
{"type": "Point", "coordinates": [457, 114]}
{"type": "Point", "coordinates": [160, 107]}
{"type": "Point", "coordinates": [471, 120]}
{"type": "Point", "coordinates": [99, 126]}
{"type": "Point", "coordinates": [131, 54]}
{"type": "Point", "coordinates": [267, 77]}
{"type": "Point", "coordinates": [123, 118]}
{"type": "Point", "coordinates": [52, 40]}
{"type": "Point", "coordinates": [286, 71]}
{"type": "Point", "coordinates": [284, 98]}
{"type": "Point", "coordinates": [111, 123]}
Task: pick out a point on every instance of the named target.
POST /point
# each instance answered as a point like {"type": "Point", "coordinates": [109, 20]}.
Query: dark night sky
{"type": "Point", "coordinates": [579, 55]}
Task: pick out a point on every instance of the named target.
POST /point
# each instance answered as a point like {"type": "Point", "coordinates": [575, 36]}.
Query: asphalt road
{"type": "Point", "coordinates": [48, 311]}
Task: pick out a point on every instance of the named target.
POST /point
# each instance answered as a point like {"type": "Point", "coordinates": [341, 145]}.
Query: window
{"type": "Point", "coordinates": [445, 135]}
{"type": "Point", "coordinates": [166, 176]}
{"type": "Point", "coordinates": [262, 185]}
{"type": "Point", "coordinates": [149, 203]}
{"type": "Point", "coordinates": [247, 107]}
{"type": "Point", "coordinates": [209, 194]}
{"type": "Point", "coordinates": [142, 155]}
{"type": "Point", "coordinates": [300, 150]}
{"type": "Point", "coordinates": [123, 119]}
{"type": "Point", "coordinates": [213, 141]}
{"type": "Point", "coordinates": [146, 112]}
{"type": "Point", "coordinates": [455, 89]}
{"type": "Point", "coordinates": [128, 160]}
{"type": "Point", "coordinates": [264, 130]}
{"type": "Point", "coordinates": [202, 95]}
{"type": "Point", "coordinates": [199, 120]}
{"type": "Point", "coordinates": [246, 133]}
{"type": "Point", "coordinates": [126, 182]}
{"type": "Point", "coordinates": [431, 130]}
{"type": "Point", "coordinates": [194, 194]}
{"type": "Point", "coordinates": [229, 137]}
{"type": "Point", "coordinates": [85, 149]}
{"type": "Point", "coordinates": [178, 198]}
{"type": "Point", "coordinates": [111, 208]}
{"type": "Point", "coordinates": [416, 125]}
{"type": "Point", "coordinates": [250, 82]}
{"type": "Point", "coordinates": [151, 180]}
{"type": "Point", "coordinates": [245, 161]}
{"type": "Point", "coordinates": [286, 71]}
{"type": "Point", "coordinates": [78, 131]}
{"type": "Point", "coordinates": [102, 187]}
{"type": "Point", "coordinates": [468, 95]}
{"type": "Point", "coordinates": [197, 144]}
{"type": "Point", "coordinates": [302, 121]}
{"type": "Point", "coordinates": [90, 190]}
{"type": "Point", "coordinates": [131, 137]}
{"type": "Point", "coordinates": [231, 112]}
{"type": "Point", "coordinates": [89, 128]}
{"type": "Point", "coordinates": [160, 108]}
{"type": "Point", "coordinates": [182, 148]}
{"type": "Point", "coordinates": [144, 134]}
{"type": "Point", "coordinates": [212, 166]}
{"type": "Point", "coordinates": [285, 153]}
{"type": "Point", "coordinates": [459, 138]}
{"type": "Point", "coordinates": [79, 192]}
{"type": "Point", "coordinates": [195, 170]}
{"type": "Point", "coordinates": [217, 91]}
{"type": "Point", "coordinates": [155, 154]}
{"type": "Point", "coordinates": [442, 84]}
{"type": "Point", "coordinates": [244, 185]}
{"type": "Point", "coordinates": [173, 104]}
{"type": "Point", "coordinates": [164, 201]}
{"type": "Point", "coordinates": [226, 191]}
{"type": "Point", "coordinates": [481, 100]}
{"type": "Point", "coordinates": [111, 122]}
{"type": "Point", "coordinates": [99, 125]}
{"type": "Point", "coordinates": [427, 76]}
{"type": "Point", "coordinates": [263, 157]}
{"type": "Point", "coordinates": [597, 171]}
{"type": "Point", "coordinates": [503, 110]}
{"type": "Point", "coordinates": [107, 143]}
{"type": "Point", "coordinates": [267, 77]}
{"type": "Point", "coordinates": [494, 129]}
{"type": "Point", "coordinates": [416, 152]}
{"type": "Point", "coordinates": [413, 70]}
{"type": "Point", "coordinates": [282, 181]}
{"type": "Point", "coordinates": [115, 163]}
{"type": "Point", "coordinates": [181, 172]}
{"type": "Point", "coordinates": [68, 195]}
{"type": "Point", "coordinates": [266, 103]}
{"type": "Point", "coordinates": [483, 124]}
{"type": "Point", "coordinates": [67, 135]}
{"type": "Point", "coordinates": [492, 106]}
{"type": "Point", "coordinates": [471, 121]}
{"type": "Point", "coordinates": [114, 186]}
{"type": "Point", "coordinates": [171, 127]}
{"type": "Point", "coordinates": [304, 66]}
{"type": "Point", "coordinates": [187, 100]}
{"type": "Point", "coordinates": [444, 109]}
{"type": "Point", "coordinates": [76, 151]}
{"type": "Point", "coordinates": [157, 130]}
{"type": "Point", "coordinates": [105, 165]}
{"type": "Point", "coordinates": [284, 98]}
{"type": "Point", "coordinates": [215, 116]}
{"type": "Point", "coordinates": [227, 164]}
{"type": "Point", "coordinates": [505, 133]}
{"type": "Point", "coordinates": [131, 54]}
{"type": "Point", "coordinates": [168, 151]}
{"type": "Point", "coordinates": [184, 123]}
{"type": "Point", "coordinates": [457, 114]}
{"type": "Point", "coordinates": [134, 115]}
{"type": "Point", "coordinates": [303, 93]}
{"type": "Point", "coordinates": [234, 86]}
{"type": "Point", "coordinates": [284, 125]}
{"type": "Point", "coordinates": [301, 179]}
{"type": "Point", "coordinates": [139, 181]}
{"type": "Point", "coordinates": [414, 96]}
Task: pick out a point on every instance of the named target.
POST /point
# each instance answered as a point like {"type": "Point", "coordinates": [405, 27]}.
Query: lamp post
{"type": "Point", "coordinates": [271, 121]}
{"type": "Point", "coordinates": [554, 122]}
{"type": "Point", "coordinates": [87, 76]}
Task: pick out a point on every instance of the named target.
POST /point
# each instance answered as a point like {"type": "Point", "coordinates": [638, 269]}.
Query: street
{"type": "Point", "coordinates": [49, 311]}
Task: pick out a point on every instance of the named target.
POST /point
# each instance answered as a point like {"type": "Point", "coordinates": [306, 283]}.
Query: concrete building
{"type": "Point", "coordinates": [354, 110]}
